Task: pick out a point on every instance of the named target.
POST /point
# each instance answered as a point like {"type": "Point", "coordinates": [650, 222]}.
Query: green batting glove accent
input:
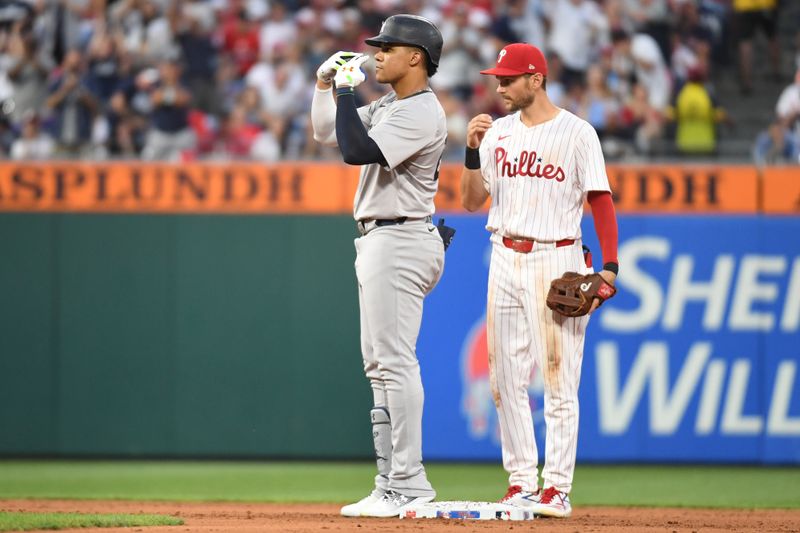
{"type": "Point", "coordinates": [350, 74]}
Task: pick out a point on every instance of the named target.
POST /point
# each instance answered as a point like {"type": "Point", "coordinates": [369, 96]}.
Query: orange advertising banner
{"type": "Point", "coordinates": [184, 188]}
{"type": "Point", "coordinates": [782, 190]}
{"type": "Point", "coordinates": [684, 188]}
{"type": "Point", "coordinates": [329, 188]}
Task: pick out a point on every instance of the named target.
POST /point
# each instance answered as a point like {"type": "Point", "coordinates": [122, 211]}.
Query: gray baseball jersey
{"type": "Point", "coordinates": [411, 134]}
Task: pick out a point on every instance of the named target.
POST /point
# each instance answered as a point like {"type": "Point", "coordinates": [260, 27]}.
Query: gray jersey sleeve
{"type": "Point", "coordinates": [409, 128]}
{"type": "Point", "coordinates": [365, 113]}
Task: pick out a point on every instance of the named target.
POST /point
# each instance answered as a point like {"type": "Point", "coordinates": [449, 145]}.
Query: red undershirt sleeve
{"type": "Point", "coordinates": [605, 224]}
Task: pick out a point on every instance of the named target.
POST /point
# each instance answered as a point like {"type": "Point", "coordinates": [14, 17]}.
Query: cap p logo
{"type": "Point", "coordinates": [517, 59]}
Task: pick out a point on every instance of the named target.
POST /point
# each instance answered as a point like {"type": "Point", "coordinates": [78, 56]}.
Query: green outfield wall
{"type": "Point", "coordinates": [188, 335]}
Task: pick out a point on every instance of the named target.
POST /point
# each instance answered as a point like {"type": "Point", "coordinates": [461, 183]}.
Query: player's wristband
{"type": "Point", "coordinates": [472, 159]}
{"type": "Point", "coordinates": [340, 91]}
{"type": "Point", "coordinates": [611, 267]}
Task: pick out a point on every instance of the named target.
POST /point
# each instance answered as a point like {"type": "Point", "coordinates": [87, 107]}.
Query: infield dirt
{"type": "Point", "coordinates": [297, 518]}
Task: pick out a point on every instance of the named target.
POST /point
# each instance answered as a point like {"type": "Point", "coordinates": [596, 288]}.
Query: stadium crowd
{"type": "Point", "coordinates": [233, 79]}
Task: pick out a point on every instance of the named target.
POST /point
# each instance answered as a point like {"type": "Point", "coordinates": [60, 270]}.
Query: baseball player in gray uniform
{"type": "Point", "coordinates": [398, 139]}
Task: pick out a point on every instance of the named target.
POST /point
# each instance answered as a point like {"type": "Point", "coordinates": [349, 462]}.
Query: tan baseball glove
{"type": "Point", "coordinates": [573, 294]}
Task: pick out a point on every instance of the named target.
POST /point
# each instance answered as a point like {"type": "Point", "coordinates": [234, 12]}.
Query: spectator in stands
{"type": "Point", "coordinates": [797, 43]}
{"type": "Point", "coordinates": [193, 30]}
{"type": "Point", "coordinates": [266, 147]}
{"type": "Point", "coordinates": [239, 134]}
{"type": "Point", "coordinates": [241, 41]}
{"type": "Point", "coordinates": [776, 145]}
{"type": "Point", "coordinates": [315, 42]}
{"type": "Point", "coordinates": [63, 25]}
{"type": "Point", "coordinates": [691, 43]}
{"type": "Point", "coordinates": [521, 21]}
{"type": "Point", "coordinates": [617, 16]}
{"type": "Point", "coordinates": [351, 35]}
{"type": "Point", "coordinates": [461, 53]}
{"type": "Point", "coordinates": [578, 32]}
{"type": "Point", "coordinates": [33, 144]}
{"type": "Point", "coordinates": [373, 13]}
{"type": "Point", "coordinates": [638, 57]}
{"type": "Point", "coordinates": [27, 73]}
{"type": "Point", "coordinates": [621, 66]}
{"type": "Point", "coordinates": [73, 108]}
{"type": "Point", "coordinates": [652, 17]}
{"type": "Point", "coordinates": [749, 16]}
{"type": "Point", "coordinates": [696, 115]}
{"type": "Point", "coordinates": [640, 123]}
{"type": "Point", "coordinates": [457, 120]}
{"type": "Point", "coordinates": [249, 101]}
{"type": "Point", "coordinates": [281, 84]}
{"type": "Point", "coordinates": [170, 138]}
{"type": "Point", "coordinates": [201, 11]}
{"type": "Point", "coordinates": [146, 29]}
{"type": "Point", "coordinates": [485, 98]}
{"type": "Point", "coordinates": [7, 135]}
{"type": "Point", "coordinates": [555, 88]}
{"type": "Point", "coordinates": [229, 84]}
{"type": "Point", "coordinates": [597, 104]}
{"type": "Point", "coordinates": [651, 70]}
{"type": "Point", "coordinates": [126, 129]}
{"type": "Point", "coordinates": [278, 31]}
{"type": "Point", "coordinates": [714, 18]}
{"type": "Point", "coordinates": [788, 107]}
{"type": "Point", "coordinates": [103, 75]}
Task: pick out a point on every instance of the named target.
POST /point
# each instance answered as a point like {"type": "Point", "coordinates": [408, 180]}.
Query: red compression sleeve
{"type": "Point", "coordinates": [605, 224]}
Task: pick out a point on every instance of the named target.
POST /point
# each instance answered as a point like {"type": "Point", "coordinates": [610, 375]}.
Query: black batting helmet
{"type": "Point", "coordinates": [412, 30]}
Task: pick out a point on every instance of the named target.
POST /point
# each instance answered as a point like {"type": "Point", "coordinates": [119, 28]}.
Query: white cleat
{"type": "Point", "coordinates": [357, 509]}
{"type": "Point", "coordinates": [393, 503]}
{"type": "Point", "coordinates": [516, 495]}
{"type": "Point", "coordinates": [553, 503]}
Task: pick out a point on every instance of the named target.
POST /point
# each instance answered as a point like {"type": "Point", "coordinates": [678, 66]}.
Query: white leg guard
{"type": "Point", "coordinates": [382, 438]}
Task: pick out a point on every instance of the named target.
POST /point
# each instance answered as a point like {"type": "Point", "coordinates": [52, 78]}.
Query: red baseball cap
{"type": "Point", "coordinates": [517, 59]}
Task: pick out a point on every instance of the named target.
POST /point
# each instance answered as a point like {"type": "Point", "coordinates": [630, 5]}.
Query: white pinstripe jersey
{"type": "Point", "coordinates": [538, 176]}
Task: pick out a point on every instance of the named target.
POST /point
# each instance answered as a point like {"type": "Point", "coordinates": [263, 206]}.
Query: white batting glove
{"type": "Point", "coordinates": [327, 70]}
{"type": "Point", "coordinates": [350, 74]}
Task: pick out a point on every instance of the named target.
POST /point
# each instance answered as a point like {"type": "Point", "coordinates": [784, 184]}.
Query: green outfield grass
{"type": "Point", "coordinates": [685, 486]}
{"type": "Point", "coordinates": [31, 521]}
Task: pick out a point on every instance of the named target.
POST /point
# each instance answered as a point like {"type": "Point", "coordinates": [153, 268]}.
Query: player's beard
{"type": "Point", "coordinates": [521, 103]}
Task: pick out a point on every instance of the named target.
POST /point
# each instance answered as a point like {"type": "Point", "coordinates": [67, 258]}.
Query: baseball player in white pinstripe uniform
{"type": "Point", "coordinates": [538, 164]}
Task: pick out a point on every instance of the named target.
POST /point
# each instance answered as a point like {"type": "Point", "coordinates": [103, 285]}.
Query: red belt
{"type": "Point", "coordinates": [525, 246]}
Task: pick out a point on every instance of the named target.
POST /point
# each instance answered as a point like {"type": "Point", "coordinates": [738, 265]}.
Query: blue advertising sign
{"type": "Point", "coordinates": [695, 359]}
